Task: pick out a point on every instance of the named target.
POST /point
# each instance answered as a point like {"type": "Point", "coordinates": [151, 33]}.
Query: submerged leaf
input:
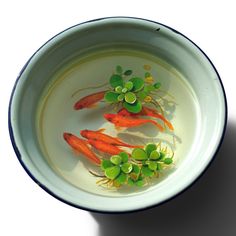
{"type": "Point", "coordinates": [138, 83]}
{"type": "Point", "coordinates": [112, 172]}
{"type": "Point", "coordinates": [116, 80]}
{"type": "Point", "coordinates": [111, 96]}
{"type": "Point", "coordinates": [119, 69]}
{"type": "Point", "coordinates": [139, 154]}
{"type": "Point", "coordinates": [157, 85]}
{"type": "Point", "coordinates": [128, 72]}
{"type": "Point", "coordinates": [136, 107]}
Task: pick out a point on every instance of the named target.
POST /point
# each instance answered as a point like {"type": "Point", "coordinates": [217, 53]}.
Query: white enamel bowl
{"type": "Point", "coordinates": [49, 77]}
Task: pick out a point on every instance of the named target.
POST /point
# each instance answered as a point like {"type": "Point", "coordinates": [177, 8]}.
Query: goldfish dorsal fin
{"type": "Point", "coordinates": [101, 130]}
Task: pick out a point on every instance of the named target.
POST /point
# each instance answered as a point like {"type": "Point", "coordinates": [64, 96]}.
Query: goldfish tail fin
{"type": "Point", "coordinates": [160, 127]}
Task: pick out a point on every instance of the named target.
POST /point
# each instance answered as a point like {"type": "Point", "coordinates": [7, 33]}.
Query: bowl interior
{"type": "Point", "coordinates": [79, 61]}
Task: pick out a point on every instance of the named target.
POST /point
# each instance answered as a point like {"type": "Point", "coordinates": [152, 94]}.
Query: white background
{"type": "Point", "coordinates": [207, 208]}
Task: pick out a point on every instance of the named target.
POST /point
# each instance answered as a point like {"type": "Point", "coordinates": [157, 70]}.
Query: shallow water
{"type": "Point", "coordinates": [56, 114]}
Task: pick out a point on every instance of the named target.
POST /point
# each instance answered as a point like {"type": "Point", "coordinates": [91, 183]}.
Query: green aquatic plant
{"type": "Point", "coordinates": [136, 169]}
{"type": "Point", "coordinates": [131, 92]}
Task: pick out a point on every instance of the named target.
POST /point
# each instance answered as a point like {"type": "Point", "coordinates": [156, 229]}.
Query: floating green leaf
{"type": "Point", "coordinates": [111, 96]}
{"type": "Point", "coordinates": [129, 85]}
{"type": "Point", "coordinates": [112, 172]}
{"type": "Point", "coordinates": [139, 154]}
{"type": "Point", "coordinates": [116, 159]}
{"type": "Point", "coordinates": [124, 90]}
{"type": "Point", "coordinates": [168, 161]}
{"type": "Point", "coordinates": [126, 167]}
{"type": "Point", "coordinates": [152, 165]}
{"type": "Point", "coordinates": [116, 80]}
{"type": "Point", "coordinates": [139, 183]}
{"type": "Point", "coordinates": [121, 179]}
{"type": "Point", "coordinates": [147, 172]}
{"type": "Point", "coordinates": [124, 156]}
{"type": "Point", "coordinates": [128, 72]}
{"type": "Point", "coordinates": [157, 85]}
{"type": "Point", "coordinates": [119, 69]}
{"type": "Point", "coordinates": [154, 155]}
{"type": "Point", "coordinates": [130, 97]}
{"type": "Point", "coordinates": [105, 164]}
{"type": "Point", "coordinates": [121, 97]}
{"type": "Point", "coordinates": [150, 147]}
{"type": "Point", "coordinates": [138, 83]}
{"type": "Point", "coordinates": [142, 95]}
{"type": "Point", "coordinates": [130, 182]}
{"type": "Point", "coordinates": [133, 108]}
{"type": "Point", "coordinates": [118, 89]}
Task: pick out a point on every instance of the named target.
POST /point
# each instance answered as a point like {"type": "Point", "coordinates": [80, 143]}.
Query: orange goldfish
{"type": "Point", "coordinates": [98, 135]}
{"type": "Point", "coordinates": [147, 112]}
{"type": "Point", "coordinates": [89, 101]}
{"type": "Point", "coordinates": [81, 146]}
{"type": "Point", "coordinates": [129, 121]}
{"type": "Point", "coordinates": [105, 147]}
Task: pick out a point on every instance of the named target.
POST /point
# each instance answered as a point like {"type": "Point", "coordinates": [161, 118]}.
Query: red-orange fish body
{"type": "Point", "coordinates": [123, 121]}
{"type": "Point", "coordinates": [105, 147]}
{"type": "Point", "coordinates": [98, 135]}
{"type": "Point", "coordinates": [82, 147]}
{"type": "Point", "coordinates": [89, 101]}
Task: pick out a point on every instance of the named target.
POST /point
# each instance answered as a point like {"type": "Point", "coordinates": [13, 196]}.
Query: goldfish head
{"type": "Point", "coordinates": [67, 136]}
{"type": "Point", "coordinates": [109, 117]}
{"type": "Point", "coordinates": [84, 132]}
{"type": "Point", "coordinates": [78, 106]}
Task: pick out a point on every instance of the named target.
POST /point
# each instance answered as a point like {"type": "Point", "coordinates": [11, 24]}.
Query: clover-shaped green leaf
{"type": "Point", "coordinates": [118, 89]}
{"type": "Point", "coordinates": [121, 179]}
{"type": "Point", "coordinates": [138, 83]}
{"type": "Point", "coordinates": [111, 96]}
{"type": "Point", "coordinates": [105, 164]}
{"type": "Point", "coordinates": [150, 147]}
{"type": "Point", "coordinates": [126, 167]}
{"type": "Point", "coordinates": [124, 156]}
{"type": "Point", "coordinates": [116, 159]}
{"type": "Point", "coordinates": [130, 97]}
{"type": "Point", "coordinates": [136, 107]}
{"type": "Point", "coordinates": [139, 154]}
{"type": "Point", "coordinates": [147, 172]}
{"type": "Point", "coordinates": [129, 85]}
{"type": "Point", "coordinates": [168, 161]}
{"type": "Point", "coordinates": [116, 80]}
{"type": "Point", "coordinates": [112, 172]}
